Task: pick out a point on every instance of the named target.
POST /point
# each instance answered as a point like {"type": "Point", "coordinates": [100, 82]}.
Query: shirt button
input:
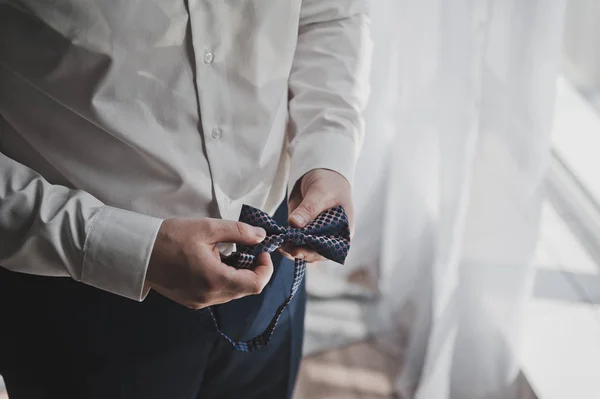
{"type": "Point", "coordinates": [208, 57]}
{"type": "Point", "coordinates": [216, 133]}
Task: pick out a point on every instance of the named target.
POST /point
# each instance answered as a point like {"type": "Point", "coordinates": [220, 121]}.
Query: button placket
{"type": "Point", "coordinates": [206, 41]}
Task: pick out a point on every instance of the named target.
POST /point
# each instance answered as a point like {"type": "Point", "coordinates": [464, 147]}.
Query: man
{"type": "Point", "coordinates": [132, 132]}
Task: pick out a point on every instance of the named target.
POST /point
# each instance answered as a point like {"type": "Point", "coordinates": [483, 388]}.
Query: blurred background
{"type": "Point", "coordinates": [475, 269]}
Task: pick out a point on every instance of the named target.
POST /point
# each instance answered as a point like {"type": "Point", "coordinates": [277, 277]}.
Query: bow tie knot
{"type": "Point", "coordinates": [295, 236]}
{"type": "Point", "coordinates": [291, 232]}
{"type": "Point", "coordinates": [328, 235]}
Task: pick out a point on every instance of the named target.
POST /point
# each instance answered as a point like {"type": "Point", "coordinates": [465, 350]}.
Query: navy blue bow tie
{"type": "Point", "coordinates": [328, 235]}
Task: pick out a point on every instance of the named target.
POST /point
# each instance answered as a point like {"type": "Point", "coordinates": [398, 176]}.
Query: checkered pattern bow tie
{"type": "Point", "coordinates": [328, 234]}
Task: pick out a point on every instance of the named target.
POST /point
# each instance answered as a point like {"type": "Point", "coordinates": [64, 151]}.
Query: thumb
{"type": "Point", "coordinates": [311, 206]}
{"type": "Point", "coordinates": [236, 232]}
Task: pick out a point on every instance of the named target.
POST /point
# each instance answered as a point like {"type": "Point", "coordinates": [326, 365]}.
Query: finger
{"type": "Point", "coordinates": [349, 209]}
{"type": "Point", "coordinates": [250, 282]}
{"type": "Point", "coordinates": [235, 232]}
{"type": "Point", "coordinates": [285, 254]}
{"type": "Point", "coordinates": [294, 251]}
{"type": "Point", "coordinates": [293, 203]}
{"type": "Point", "coordinates": [263, 269]}
{"type": "Point", "coordinates": [314, 202]}
{"type": "Point", "coordinates": [295, 197]}
{"type": "Point", "coordinates": [306, 254]}
{"type": "Point", "coordinates": [287, 249]}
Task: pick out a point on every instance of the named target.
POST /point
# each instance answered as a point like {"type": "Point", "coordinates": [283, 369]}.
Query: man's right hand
{"type": "Point", "coordinates": [186, 266]}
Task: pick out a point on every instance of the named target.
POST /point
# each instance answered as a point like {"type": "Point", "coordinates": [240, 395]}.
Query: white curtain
{"type": "Point", "coordinates": [449, 185]}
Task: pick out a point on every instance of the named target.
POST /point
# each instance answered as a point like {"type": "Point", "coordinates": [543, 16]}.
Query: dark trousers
{"type": "Point", "coordinates": [62, 339]}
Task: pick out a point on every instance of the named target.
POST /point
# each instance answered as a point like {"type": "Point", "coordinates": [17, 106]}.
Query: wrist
{"type": "Point", "coordinates": [162, 250]}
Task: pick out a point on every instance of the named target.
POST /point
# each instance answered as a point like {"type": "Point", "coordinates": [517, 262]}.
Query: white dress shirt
{"type": "Point", "coordinates": [117, 114]}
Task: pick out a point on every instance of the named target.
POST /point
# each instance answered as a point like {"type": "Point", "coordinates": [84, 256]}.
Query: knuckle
{"type": "Point", "coordinates": [331, 199]}
{"type": "Point", "coordinates": [309, 207]}
{"type": "Point", "coordinates": [195, 305]}
{"type": "Point", "coordinates": [203, 289]}
{"type": "Point", "coordinates": [217, 283]}
{"type": "Point", "coordinates": [295, 252]}
{"type": "Point", "coordinates": [242, 229]}
{"type": "Point", "coordinates": [210, 285]}
{"type": "Point", "coordinates": [210, 226]}
{"type": "Point", "coordinates": [200, 298]}
{"type": "Point", "coordinates": [257, 287]}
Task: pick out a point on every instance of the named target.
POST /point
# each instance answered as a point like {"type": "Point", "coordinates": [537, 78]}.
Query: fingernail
{"type": "Point", "coordinates": [260, 232]}
{"type": "Point", "coordinates": [299, 220]}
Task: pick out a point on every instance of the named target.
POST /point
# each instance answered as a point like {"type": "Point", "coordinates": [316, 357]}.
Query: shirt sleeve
{"type": "Point", "coordinates": [329, 87]}
{"type": "Point", "coordinates": [53, 230]}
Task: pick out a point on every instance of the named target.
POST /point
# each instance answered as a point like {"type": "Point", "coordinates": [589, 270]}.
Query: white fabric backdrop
{"type": "Point", "coordinates": [449, 184]}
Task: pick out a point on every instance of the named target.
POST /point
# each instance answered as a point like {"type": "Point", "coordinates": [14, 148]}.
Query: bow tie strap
{"type": "Point", "coordinates": [328, 235]}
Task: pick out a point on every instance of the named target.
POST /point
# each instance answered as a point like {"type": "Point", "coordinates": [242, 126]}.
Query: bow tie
{"type": "Point", "coordinates": [328, 235]}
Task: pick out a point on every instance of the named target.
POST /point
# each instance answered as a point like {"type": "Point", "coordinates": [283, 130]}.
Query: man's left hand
{"type": "Point", "coordinates": [316, 192]}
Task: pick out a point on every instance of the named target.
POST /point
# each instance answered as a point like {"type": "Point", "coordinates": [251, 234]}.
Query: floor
{"type": "Point", "coordinates": [359, 371]}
